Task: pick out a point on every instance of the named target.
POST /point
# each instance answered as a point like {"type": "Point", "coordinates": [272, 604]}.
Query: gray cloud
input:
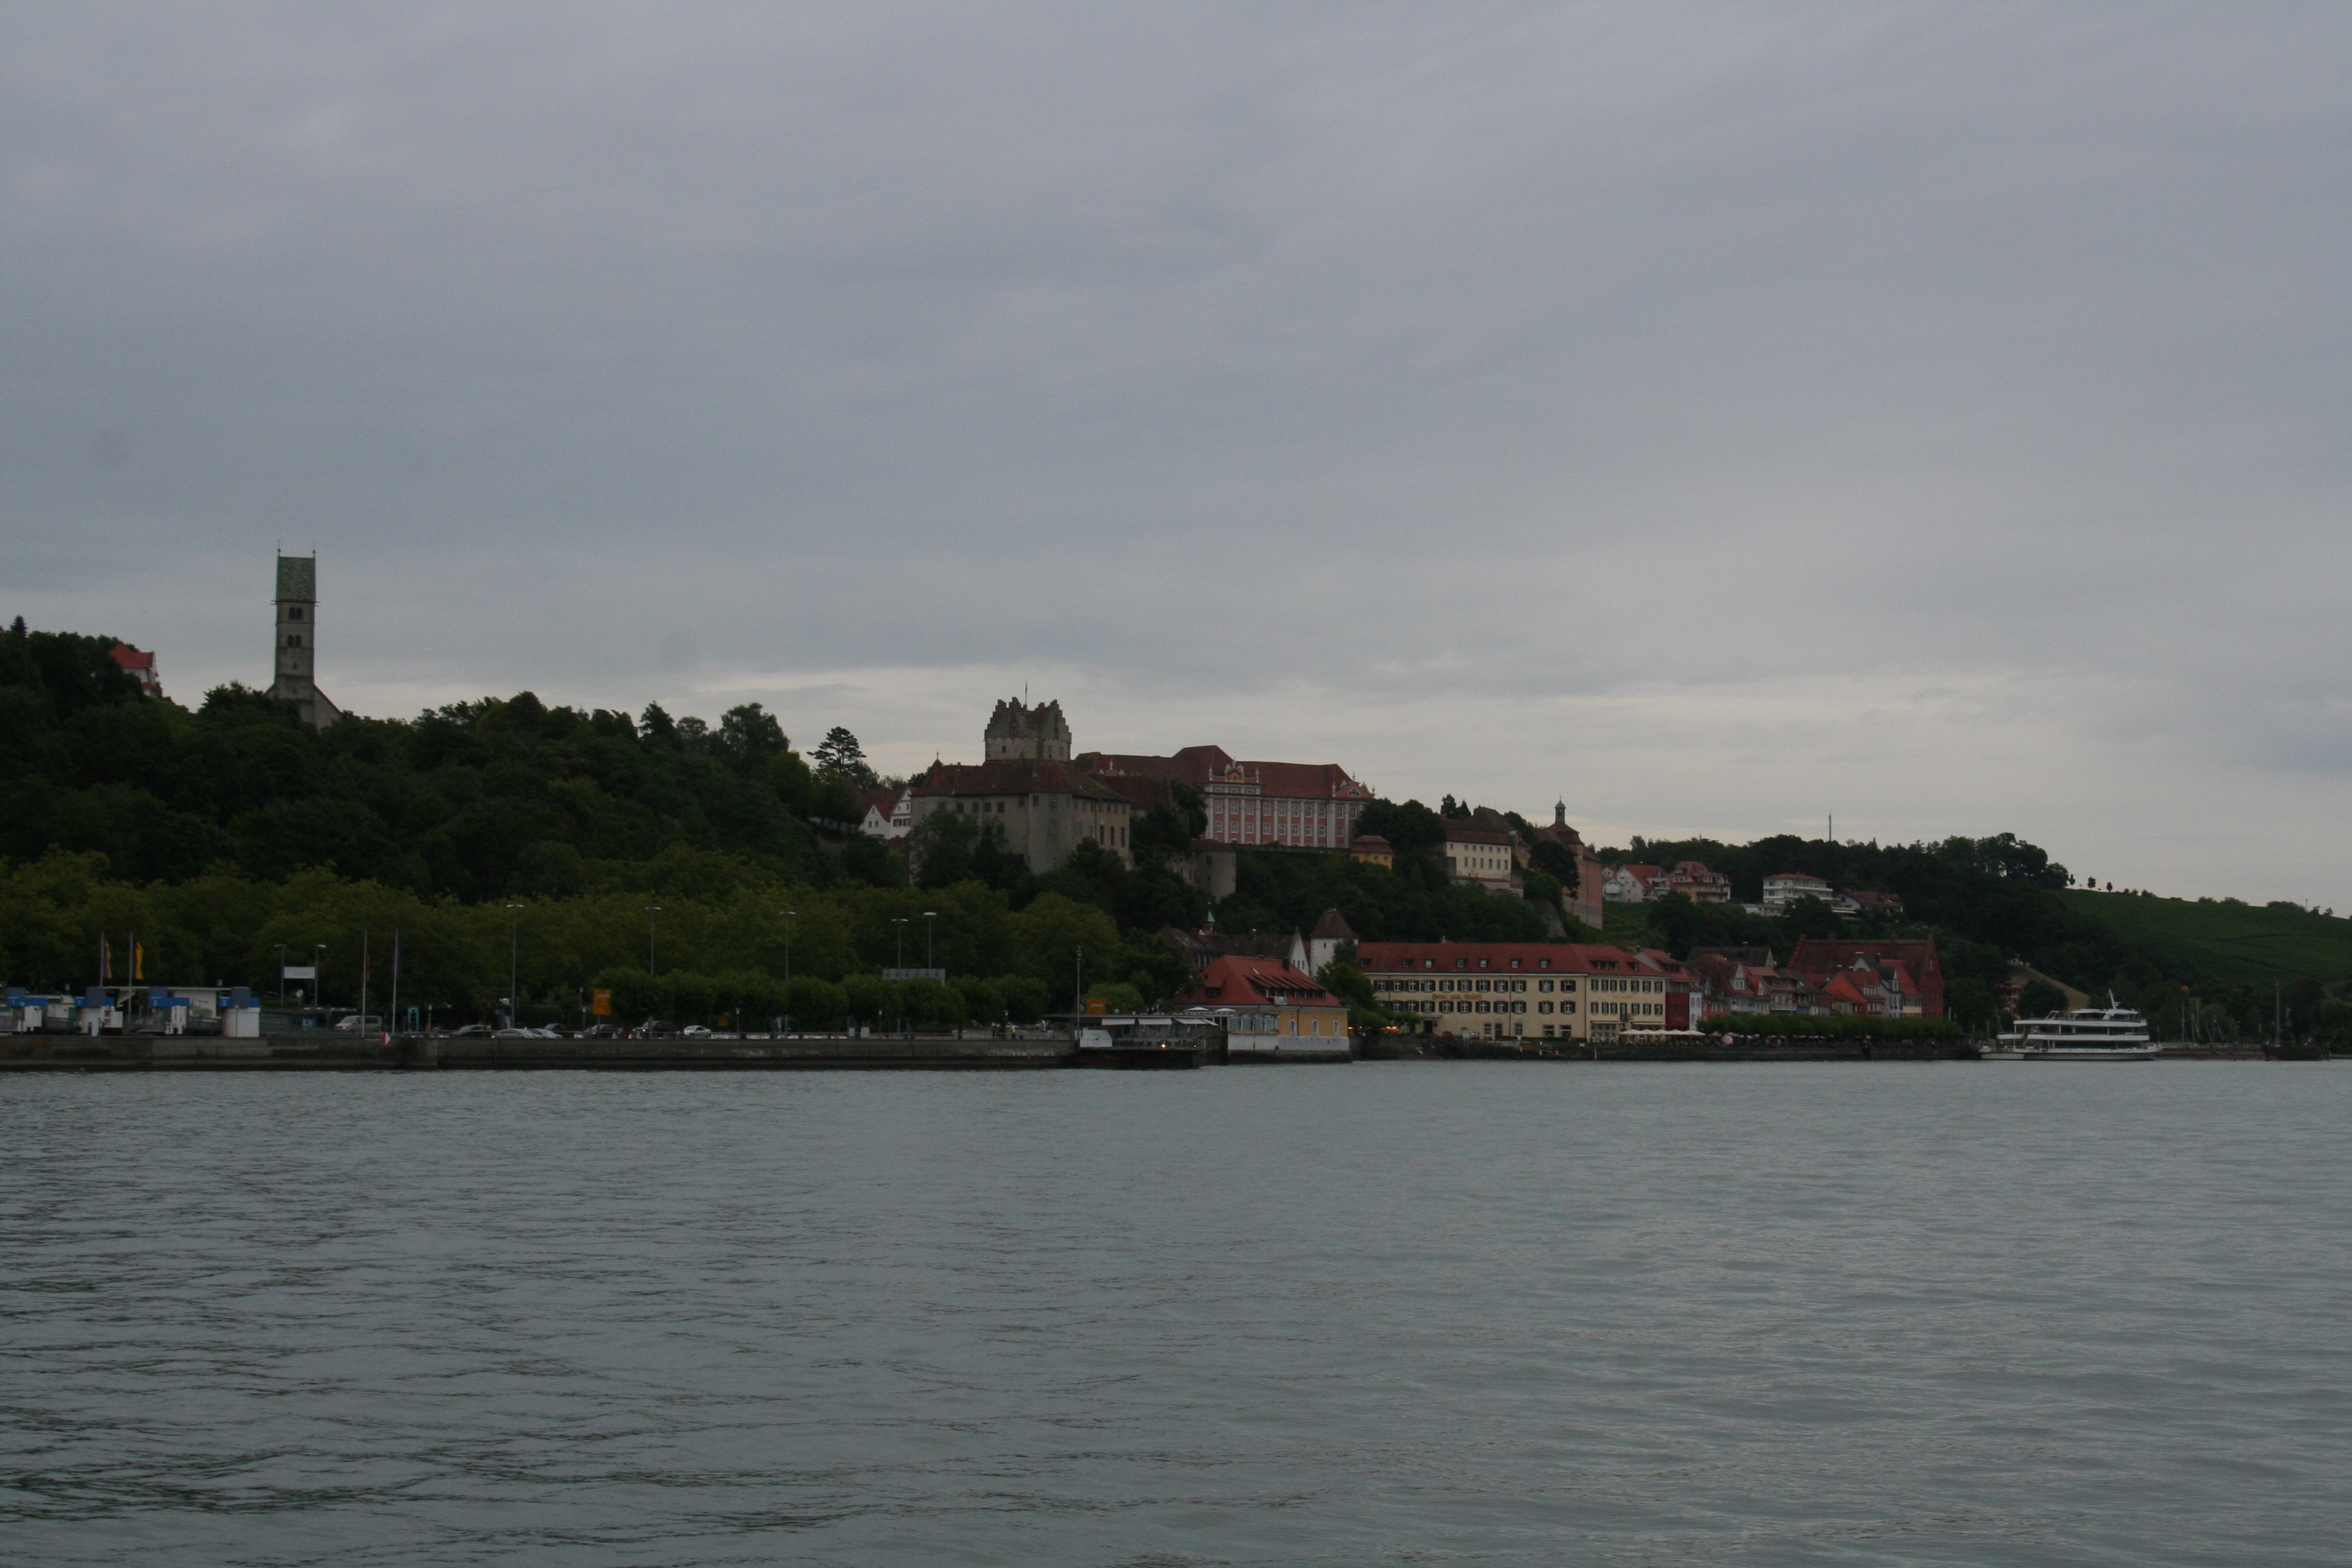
{"type": "Point", "coordinates": [1482, 397]}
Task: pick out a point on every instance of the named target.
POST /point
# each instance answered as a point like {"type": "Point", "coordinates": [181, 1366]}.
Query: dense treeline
{"type": "Point", "coordinates": [476, 800]}
{"type": "Point", "coordinates": [670, 948]}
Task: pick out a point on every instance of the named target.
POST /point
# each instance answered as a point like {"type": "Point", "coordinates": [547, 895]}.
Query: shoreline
{"type": "Point", "coordinates": [408, 1053]}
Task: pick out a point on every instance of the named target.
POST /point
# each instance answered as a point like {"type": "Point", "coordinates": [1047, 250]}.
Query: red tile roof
{"type": "Point", "coordinates": [1541, 957]}
{"type": "Point", "coordinates": [1238, 981]}
{"type": "Point", "coordinates": [1013, 776]}
{"type": "Point", "coordinates": [1196, 765]}
{"type": "Point", "coordinates": [1193, 764]}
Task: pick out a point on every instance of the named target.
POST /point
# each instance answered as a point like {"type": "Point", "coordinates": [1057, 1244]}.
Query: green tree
{"type": "Point", "coordinates": [749, 736]}
{"type": "Point", "coordinates": [1411, 828]}
{"type": "Point", "coordinates": [1025, 998]}
{"type": "Point", "coordinates": [2039, 999]}
{"type": "Point", "coordinates": [1806, 917]}
{"type": "Point", "coordinates": [870, 999]}
{"type": "Point", "coordinates": [814, 1005]}
{"type": "Point", "coordinates": [1117, 997]}
{"type": "Point", "coordinates": [840, 754]}
{"type": "Point", "coordinates": [1969, 1003]}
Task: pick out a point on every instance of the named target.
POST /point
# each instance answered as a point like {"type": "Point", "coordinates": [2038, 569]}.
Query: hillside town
{"type": "Point", "coordinates": [1290, 891]}
{"type": "Point", "coordinates": [1048, 799]}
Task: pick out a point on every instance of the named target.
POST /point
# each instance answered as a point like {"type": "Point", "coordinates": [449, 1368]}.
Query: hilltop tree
{"type": "Point", "coordinates": [840, 755]}
{"type": "Point", "coordinates": [1409, 827]}
{"type": "Point", "coordinates": [749, 735]}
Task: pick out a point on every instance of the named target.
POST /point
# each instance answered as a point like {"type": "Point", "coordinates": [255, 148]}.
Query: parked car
{"type": "Point", "coordinates": [694, 1032]}
{"type": "Point", "coordinates": [471, 1032]}
{"type": "Point", "coordinates": [369, 1024]}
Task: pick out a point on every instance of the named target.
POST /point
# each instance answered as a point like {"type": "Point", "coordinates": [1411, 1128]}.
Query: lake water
{"type": "Point", "coordinates": [1405, 1313]}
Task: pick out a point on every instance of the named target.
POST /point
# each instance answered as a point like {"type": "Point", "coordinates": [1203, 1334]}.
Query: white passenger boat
{"type": "Point", "coordinates": [2109, 1033]}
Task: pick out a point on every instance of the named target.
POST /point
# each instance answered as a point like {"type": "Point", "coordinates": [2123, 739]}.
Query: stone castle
{"type": "Point", "coordinates": [1018, 733]}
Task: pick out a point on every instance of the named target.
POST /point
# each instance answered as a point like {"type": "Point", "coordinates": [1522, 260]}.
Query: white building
{"type": "Point", "coordinates": [1628, 884]}
{"type": "Point", "coordinates": [1786, 888]}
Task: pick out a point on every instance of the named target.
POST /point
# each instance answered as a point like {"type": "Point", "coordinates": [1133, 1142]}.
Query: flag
{"type": "Point", "coordinates": [138, 960]}
{"type": "Point", "coordinates": [105, 961]}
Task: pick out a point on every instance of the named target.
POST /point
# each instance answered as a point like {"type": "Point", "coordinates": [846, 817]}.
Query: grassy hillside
{"type": "Point", "coordinates": [2225, 941]}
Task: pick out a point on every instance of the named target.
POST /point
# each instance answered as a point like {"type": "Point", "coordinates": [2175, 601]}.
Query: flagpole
{"type": "Point", "coordinates": [394, 1014]}
{"type": "Point", "coordinates": [363, 976]}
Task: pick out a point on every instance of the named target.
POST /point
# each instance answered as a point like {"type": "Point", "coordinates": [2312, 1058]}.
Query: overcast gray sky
{"type": "Point", "coordinates": [1714, 415]}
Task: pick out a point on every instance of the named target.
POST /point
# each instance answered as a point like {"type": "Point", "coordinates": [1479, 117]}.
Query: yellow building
{"type": "Point", "coordinates": [1526, 992]}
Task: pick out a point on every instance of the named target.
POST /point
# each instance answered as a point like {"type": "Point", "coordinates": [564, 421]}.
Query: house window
{"type": "Point", "coordinates": [293, 639]}
{"type": "Point", "coordinates": [293, 612]}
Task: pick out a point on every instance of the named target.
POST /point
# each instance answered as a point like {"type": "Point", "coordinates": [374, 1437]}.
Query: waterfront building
{"type": "Point", "coordinates": [1305, 805]}
{"type": "Point", "coordinates": [1528, 992]}
{"type": "Point", "coordinates": [1873, 990]}
{"type": "Point", "coordinates": [1372, 849]}
{"type": "Point", "coordinates": [1746, 980]}
{"type": "Point", "coordinates": [1302, 1008]}
{"type": "Point", "coordinates": [295, 656]}
{"type": "Point", "coordinates": [1920, 986]}
{"type": "Point", "coordinates": [1203, 948]}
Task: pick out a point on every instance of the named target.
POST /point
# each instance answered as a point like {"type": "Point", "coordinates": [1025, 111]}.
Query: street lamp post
{"type": "Point", "coordinates": [790, 916]}
{"type": "Point", "coordinates": [928, 916]}
{"type": "Point", "coordinates": [514, 947]}
{"type": "Point", "coordinates": [653, 918]}
{"type": "Point", "coordinates": [282, 974]}
{"type": "Point", "coordinates": [1078, 997]}
{"type": "Point", "coordinates": [900, 993]}
{"type": "Point", "coordinates": [318, 989]}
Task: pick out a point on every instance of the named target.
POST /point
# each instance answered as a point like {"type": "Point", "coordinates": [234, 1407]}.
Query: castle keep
{"type": "Point", "coordinates": [1020, 733]}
